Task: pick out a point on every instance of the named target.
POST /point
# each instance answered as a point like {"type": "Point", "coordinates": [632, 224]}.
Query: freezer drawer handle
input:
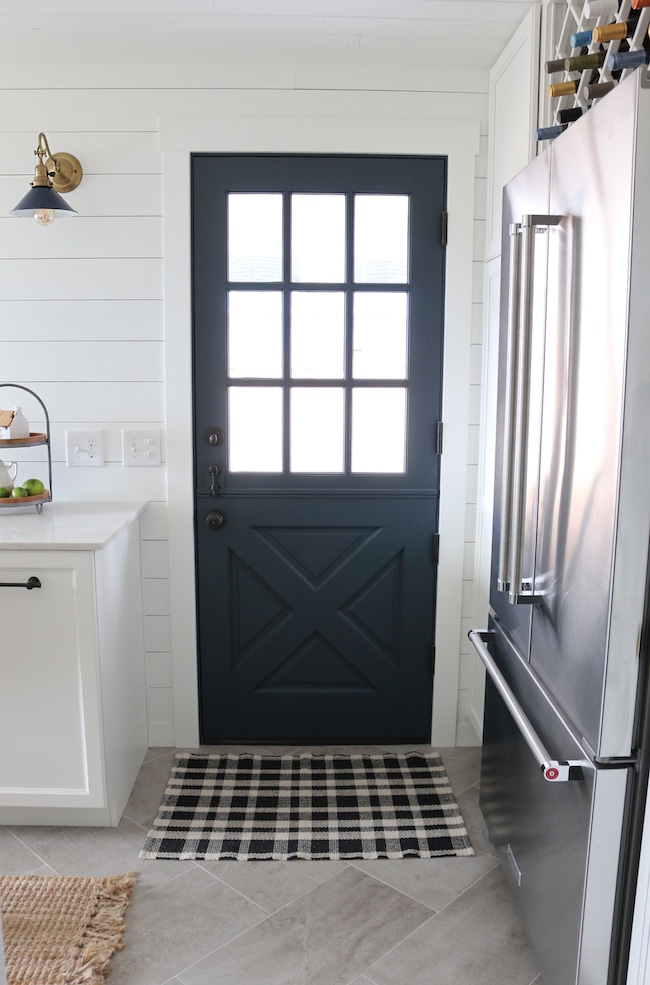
{"type": "Point", "coordinates": [553, 770]}
{"type": "Point", "coordinates": [515, 437]}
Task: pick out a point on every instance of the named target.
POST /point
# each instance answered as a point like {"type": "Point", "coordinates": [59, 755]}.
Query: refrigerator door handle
{"type": "Point", "coordinates": [553, 770]}
{"type": "Point", "coordinates": [515, 458]}
{"type": "Point", "coordinates": [503, 581]}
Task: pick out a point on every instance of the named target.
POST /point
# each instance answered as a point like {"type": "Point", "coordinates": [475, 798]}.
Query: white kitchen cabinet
{"type": "Point", "coordinates": [72, 682]}
{"type": "Point", "coordinates": [517, 106]}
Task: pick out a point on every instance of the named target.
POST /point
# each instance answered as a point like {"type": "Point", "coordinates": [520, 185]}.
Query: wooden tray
{"type": "Point", "coordinates": [35, 438]}
{"type": "Point", "coordinates": [9, 501]}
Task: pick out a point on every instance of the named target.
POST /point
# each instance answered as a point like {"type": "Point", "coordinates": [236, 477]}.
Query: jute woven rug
{"type": "Point", "coordinates": [308, 806]}
{"type": "Point", "coordinates": [61, 930]}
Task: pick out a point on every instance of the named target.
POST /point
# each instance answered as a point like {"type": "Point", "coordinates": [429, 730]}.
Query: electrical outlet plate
{"type": "Point", "coordinates": [141, 447]}
{"type": "Point", "coordinates": [84, 449]}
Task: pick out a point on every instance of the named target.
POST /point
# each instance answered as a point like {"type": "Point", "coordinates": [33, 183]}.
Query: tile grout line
{"type": "Point", "coordinates": [429, 920]}
{"type": "Point", "coordinates": [31, 851]}
{"type": "Point", "coordinates": [284, 905]}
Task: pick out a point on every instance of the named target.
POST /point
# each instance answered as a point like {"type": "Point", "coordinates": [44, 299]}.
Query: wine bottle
{"type": "Point", "coordinates": [598, 89]}
{"type": "Point", "coordinates": [581, 39]}
{"type": "Point", "coordinates": [613, 32]}
{"type": "Point", "coordinates": [568, 115]}
{"type": "Point", "coordinates": [600, 8]}
{"type": "Point", "coordinates": [562, 89]}
{"type": "Point", "coordinates": [549, 133]}
{"type": "Point", "coordinates": [577, 63]}
{"type": "Point", "coordinates": [556, 65]}
{"type": "Point", "coordinates": [628, 59]}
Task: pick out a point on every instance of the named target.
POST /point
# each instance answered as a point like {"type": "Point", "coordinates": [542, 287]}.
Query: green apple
{"type": "Point", "coordinates": [33, 486]}
{"type": "Point", "coordinates": [18, 492]}
{"type": "Point", "coordinates": [4, 492]}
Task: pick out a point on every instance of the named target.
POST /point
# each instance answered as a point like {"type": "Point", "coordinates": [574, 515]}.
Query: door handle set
{"type": "Point", "coordinates": [553, 770]}
{"type": "Point", "coordinates": [517, 406]}
{"type": "Point", "coordinates": [215, 519]}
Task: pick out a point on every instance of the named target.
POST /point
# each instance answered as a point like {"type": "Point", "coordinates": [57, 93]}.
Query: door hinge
{"type": "Point", "coordinates": [444, 227]}
{"type": "Point", "coordinates": [436, 548]}
{"type": "Point", "coordinates": [438, 438]}
{"type": "Point", "coordinates": [432, 656]}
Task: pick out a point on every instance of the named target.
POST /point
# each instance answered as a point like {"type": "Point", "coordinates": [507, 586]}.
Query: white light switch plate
{"type": "Point", "coordinates": [141, 447]}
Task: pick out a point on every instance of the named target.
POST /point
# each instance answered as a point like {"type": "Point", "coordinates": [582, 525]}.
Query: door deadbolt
{"type": "Point", "coordinates": [215, 436]}
{"type": "Point", "coordinates": [215, 520]}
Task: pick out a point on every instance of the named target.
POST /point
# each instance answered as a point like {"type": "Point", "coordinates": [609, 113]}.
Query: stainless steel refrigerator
{"type": "Point", "coordinates": [565, 750]}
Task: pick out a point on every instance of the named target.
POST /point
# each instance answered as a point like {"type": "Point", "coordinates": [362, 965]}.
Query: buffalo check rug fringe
{"type": "Point", "coordinates": [225, 806]}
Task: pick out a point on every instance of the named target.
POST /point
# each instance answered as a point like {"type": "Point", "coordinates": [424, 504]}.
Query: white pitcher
{"type": "Point", "coordinates": [6, 478]}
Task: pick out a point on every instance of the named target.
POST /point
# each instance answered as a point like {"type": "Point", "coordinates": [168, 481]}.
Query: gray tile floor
{"type": "Point", "coordinates": [446, 921]}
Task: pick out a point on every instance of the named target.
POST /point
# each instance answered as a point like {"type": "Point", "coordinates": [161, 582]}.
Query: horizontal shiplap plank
{"type": "Point", "coordinates": [159, 665]}
{"type": "Point", "coordinates": [242, 69]}
{"type": "Point", "coordinates": [155, 522]}
{"type": "Point", "coordinates": [155, 559]}
{"type": "Point", "coordinates": [110, 482]}
{"type": "Point", "coordinates": [481, 159]}
{"type": "Point", "coordinates": [99, 402]}
{"type": "Point", "coordinates": [84, 361]}
{"type": "Point", "coordinates": [156, 596]}
{"type": "Point", "coordinates": [119, 195]}
{"type": "Point", "coordinates": [80, 278]}
{"type": "Point", "coordinates": [19, 109]}
{"type": "Point", "coordinates": [97, 195]}
{"type": "Point", "coordinates": [81, 236]}
{"type": "Point", "coordinates": [399, 78]}
{"type": "Point", "coordinates": [71, 320]}
{"type": "Point", "coordinates": [479, 240]}
{"type": "Point", "coordinates": [480, 199]}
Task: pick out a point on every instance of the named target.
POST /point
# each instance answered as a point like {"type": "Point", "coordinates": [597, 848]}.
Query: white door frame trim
{"type": "Point", "coordinates": [289, 133]}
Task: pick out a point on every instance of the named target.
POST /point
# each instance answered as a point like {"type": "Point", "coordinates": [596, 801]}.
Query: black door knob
{"type": "Point", "coordinates": [214, 520]}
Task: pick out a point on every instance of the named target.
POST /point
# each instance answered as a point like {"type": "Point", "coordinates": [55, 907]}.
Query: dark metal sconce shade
{"type": "Point", "coordinates": [42, 198]}
{"type": "Point", "coordinates": [51, 176]}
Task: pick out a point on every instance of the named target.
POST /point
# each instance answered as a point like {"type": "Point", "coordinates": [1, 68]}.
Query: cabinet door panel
{"type": "Point", "coordinates": [50, 714]}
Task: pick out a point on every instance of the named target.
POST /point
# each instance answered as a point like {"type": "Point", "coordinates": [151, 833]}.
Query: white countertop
{"type": "Point", "coordinates": [65, 526]}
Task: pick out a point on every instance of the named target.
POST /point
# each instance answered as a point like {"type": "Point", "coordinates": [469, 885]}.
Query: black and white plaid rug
{"type": "Point", "coordinates": [307, 806]}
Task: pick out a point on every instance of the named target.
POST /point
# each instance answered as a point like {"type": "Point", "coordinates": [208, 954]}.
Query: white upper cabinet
{"type": "Point", "coordinates": [517, 107]}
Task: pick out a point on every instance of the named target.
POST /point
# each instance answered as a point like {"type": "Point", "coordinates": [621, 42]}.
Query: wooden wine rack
{"type": "Point", "coordinates": [575, 21]}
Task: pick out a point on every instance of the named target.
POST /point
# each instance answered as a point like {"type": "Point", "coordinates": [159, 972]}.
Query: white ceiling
{"type": "Point", "coordinates": [454, 34]}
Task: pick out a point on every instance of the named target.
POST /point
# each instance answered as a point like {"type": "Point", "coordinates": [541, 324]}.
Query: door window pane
{"type": "Point", "coordinates": [379, 429]}
{"type": "Point", "coordinates": [317, 429]}
{"type": "Point", "coordinates": [318, 238]}
{"type": "Point", "coordinates": [255, 334]}
{"type": "Point", "coordinates": [255, 429]}
{"type": "Point", "coordinates": [381, 239]}
{"type": "Point", "coordinates": [254, 237]}
{"type": "Point", "coordinates": [317, 335]}
{"type": "Point", "coordinates": [379, 337]}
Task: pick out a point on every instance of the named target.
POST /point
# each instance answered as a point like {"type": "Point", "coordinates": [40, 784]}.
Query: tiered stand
{"type": "Point", "coordinates": [35, 438]}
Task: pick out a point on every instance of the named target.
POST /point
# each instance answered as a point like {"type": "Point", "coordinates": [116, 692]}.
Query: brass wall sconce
{"type": "Point", "coordinates": [60, 173]}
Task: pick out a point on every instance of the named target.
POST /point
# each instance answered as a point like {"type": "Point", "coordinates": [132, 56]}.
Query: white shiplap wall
{"type": "Point", "coordinates": [81, 303]}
